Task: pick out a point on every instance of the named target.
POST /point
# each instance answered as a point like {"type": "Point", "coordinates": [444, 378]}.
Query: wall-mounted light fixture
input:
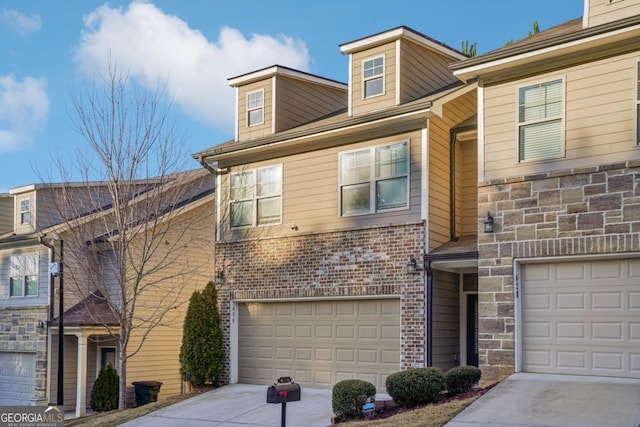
{"type": "Point", "coordinates": [412, 266]}
{"type": "Point", "coordinates": [40, 325]}
{"type": "Point", "coordinates": [488, 223]}
{"type": "Point", "coordinates": [220, 275]}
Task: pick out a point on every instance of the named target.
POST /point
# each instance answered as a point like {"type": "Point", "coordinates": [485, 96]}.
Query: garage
{"type": "Point", "coordinates": [319, 343]}
{"type": "Point", "coordinates": [581, 317]}
{"type": "Point", "coordinates": [18, 372]}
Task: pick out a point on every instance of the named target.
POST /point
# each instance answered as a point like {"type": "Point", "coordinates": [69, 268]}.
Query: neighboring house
{"type": "Point", "coordinates": [559, 162]}
{"type": "Point", "coordinates": [29, 297]}
{"type": "Point", "coordinates": [328, 195]}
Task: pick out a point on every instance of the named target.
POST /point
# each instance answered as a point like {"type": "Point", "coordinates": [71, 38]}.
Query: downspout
{"type": "Point", "coordinates": [453, 137]}
{"type": "Point", "coordinates": [212, 169]}
{"type": "Point", "coordinates": [428, 313]}
{"type": "Point", "coordinates": [52, 259]}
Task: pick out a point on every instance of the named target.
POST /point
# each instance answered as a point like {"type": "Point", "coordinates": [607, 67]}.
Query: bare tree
{"type": "Point", "coordinates": [138, 232]}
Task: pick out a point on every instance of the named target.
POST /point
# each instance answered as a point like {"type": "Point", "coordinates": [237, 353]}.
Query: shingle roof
{"type": "Point", "coordinates": [94, 310]}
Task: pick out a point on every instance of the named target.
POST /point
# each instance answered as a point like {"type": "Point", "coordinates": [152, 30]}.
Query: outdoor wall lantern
{"type": "Point", "coordinates": [488, 224]}
{"type": "Point", "coordinates": [412, 266]}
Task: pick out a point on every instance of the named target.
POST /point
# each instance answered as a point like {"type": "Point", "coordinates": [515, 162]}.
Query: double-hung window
{"type": "Point", "coordinates": [255, 108]}
{"type": "Point", "coordinates": [23, 275]}
{"type": "Point", "coordinates": [25, 211]}
{"type": "Point", "coordinates": [373, 76]}
{"type": "Point", "coordinates": [638, 103]}
{"type": "Point", "coordinates": [540, 111]}
{"type": "Point", "coordinates": [374, 179]}
{"type": "Point", "coordinates": [256, 197]}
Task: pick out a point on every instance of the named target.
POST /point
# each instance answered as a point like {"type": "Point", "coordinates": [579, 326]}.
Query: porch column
{"type": "Point", "coordinates": [81, 376]}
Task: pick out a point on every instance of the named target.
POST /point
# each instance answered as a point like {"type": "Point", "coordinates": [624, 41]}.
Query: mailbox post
{"type": "Point", "coordinates": [282, 391]}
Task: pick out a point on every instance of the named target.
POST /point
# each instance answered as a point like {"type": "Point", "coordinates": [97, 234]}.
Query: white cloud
{"type": "Point", "coordinates": [156, 47]}
{"type": "Point", "coordinates": [24, 106]}
{"type": "Point", "coordinates": [19, 22]}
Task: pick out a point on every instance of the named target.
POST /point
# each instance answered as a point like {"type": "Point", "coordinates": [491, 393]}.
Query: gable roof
{"type": "Point", "coordinates": [281, 70]}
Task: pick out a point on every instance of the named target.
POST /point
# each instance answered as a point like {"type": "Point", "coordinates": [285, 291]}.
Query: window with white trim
{"type": "Point", "coordinates": [374, 179]}
{"type": "Point", "coordinates": [373, 76]}
{"type": "Point", "coordinates": [23, 275]}
{"type": "Point", "coordinates": [540, 111]}
{"type": "Point", "coordinates": [255, 108]}
{"type": "Point", "coordinates": [25, 211]}
{"type": "Point", "coordinates": [256, 197]}
{"type": "Point", "coordinates": [638, 103]}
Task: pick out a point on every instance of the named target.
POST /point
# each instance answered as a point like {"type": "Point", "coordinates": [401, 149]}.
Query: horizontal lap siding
{"type": "Point", "coordinates": [43, 278]}
{"type": "Point", "coordinates": [244, 131]}
{"type": "Point", "coordinates": [599, 118]}
{"type": "Point", "coordinates": [601, 12]}
{"type": "Point", "coordinates": [361, 105]}
{"type": "Point", "coordinates": [446, 323]}
{"type": "Point", "coordinates": [469, 188]}
{"type": "Point", "coordinates": [6, 214]}
{"type": "Point", "coordinates": [423, 71]}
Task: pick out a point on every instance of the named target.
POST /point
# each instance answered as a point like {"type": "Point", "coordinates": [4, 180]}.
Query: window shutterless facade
{"type": "Point", "coordinates": [255, 108]}
{"type": "Point", "coordinates": [540, 115]}
{"type": "Point", "coordinates": [23, 275]}
{"type": "Point", "coordinates": [25, 211]}
{"type": "Point", "coordinates": [373, 76]}
{"type": "Point", "coordinates": [256, 197]}
{"type": "Point", "coordinates": [374, 179]}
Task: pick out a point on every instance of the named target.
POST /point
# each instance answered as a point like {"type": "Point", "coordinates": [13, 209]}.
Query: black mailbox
{"type": "Point", "coordinates": [283, 391]}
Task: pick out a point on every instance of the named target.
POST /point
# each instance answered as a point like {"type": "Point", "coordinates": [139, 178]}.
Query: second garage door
{"type": "Point", "coordinates": [319, 343]}
{"type": "Point", "coordinates": [17, 376]}
{"type": "Point", "coordinates": [582, 318]}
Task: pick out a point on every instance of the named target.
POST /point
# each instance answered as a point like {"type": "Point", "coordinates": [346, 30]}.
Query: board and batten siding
{"type": "Point", "coordinates": [311, 192]}
{"type": "Point", "coordinates": [598, 125]}
{"type": "Point", "coordinates": [423, 71]}
{"type": "Point", "coordinates": [245, 132]}
{"type": "Point", "coordinates": [43, 278]}
{"type": "Point", "coordinates": [446, 319]}
{"type": "Point", "coordinates": [601, 11]}
{"type": "Point", "coordinates": [299, 102]}
{"type": "Point", "coordinates": [386, 99]}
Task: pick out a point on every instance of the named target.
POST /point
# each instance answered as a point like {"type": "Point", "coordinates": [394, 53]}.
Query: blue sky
{"type": "Point", "coordinates": [48, 47]}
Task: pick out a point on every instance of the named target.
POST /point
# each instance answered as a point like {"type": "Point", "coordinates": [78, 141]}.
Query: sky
{"type": "Point", "coordinates": [49, 48]}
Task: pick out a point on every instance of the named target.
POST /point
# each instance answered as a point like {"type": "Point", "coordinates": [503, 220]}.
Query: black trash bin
{"type": "Point", "coordinates": [146, 391]}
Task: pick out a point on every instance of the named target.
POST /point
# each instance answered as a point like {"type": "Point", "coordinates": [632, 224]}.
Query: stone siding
{"type": "Point", "coordinates": [358, 262]}
{"type": "Point", "coordinates": [19, 333]}
{"type": "Point", "coordinates": [582, 211]}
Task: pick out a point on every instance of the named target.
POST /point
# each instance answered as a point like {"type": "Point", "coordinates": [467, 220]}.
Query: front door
{"type": "Point", "coordinates": [108, 355]}
{"type": "Point", "coordinates": [472, 329]}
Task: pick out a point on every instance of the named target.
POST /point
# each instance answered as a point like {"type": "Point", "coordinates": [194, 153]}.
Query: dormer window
{"type": "Point", "coordinates": [25, 211]}
{"type": "Point", "coordinates": [255, 108]}
{"type": "Point", "coordinates": [373, 76]}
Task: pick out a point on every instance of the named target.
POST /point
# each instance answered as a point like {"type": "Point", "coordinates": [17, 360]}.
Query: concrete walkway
{"type": "Point", "coordinates": [555, 401]}
{"type": "Point", "coordinates": [241, 405]}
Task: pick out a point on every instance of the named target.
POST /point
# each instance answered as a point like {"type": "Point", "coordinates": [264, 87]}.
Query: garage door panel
{"type": "Point", "coordinates": [330, 340]}
{"type": "Point", "coordinates": [577, 317]}
{"type": "Point", "coordinates": [17, 373]}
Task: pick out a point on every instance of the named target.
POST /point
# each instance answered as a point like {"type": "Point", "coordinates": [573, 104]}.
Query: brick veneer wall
{"type": "Point", "coordinates": [570, 212]}
{"type": "Point", "coordinates": [19, 333]}
{"type": "Point", "coordinates": [359, 262]}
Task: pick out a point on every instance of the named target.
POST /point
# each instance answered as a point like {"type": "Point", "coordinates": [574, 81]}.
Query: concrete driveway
{"type": "Point", "coordinates": [555, 401]}
{"type": "Point", "coordinates": [241, 405]}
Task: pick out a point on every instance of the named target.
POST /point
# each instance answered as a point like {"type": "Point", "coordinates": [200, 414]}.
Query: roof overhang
{"type": "Point", "coordinates": [276, 70]}
{"type": "Point", "coordinates": [561, 51]}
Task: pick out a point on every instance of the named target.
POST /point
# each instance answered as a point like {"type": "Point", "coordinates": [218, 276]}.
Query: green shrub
{"type": "Point", "coordinates": [348, 396]}
{"type": "Point", "coordinates": [105, 391]}
{"type": "Point", "coordinates": [461, 379]}
{"type": "Point", "coordinates": [202, 353]}
{"type": "Point", "coordinates": [415, 386]}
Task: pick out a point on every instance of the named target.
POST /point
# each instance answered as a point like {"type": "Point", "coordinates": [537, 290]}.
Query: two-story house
{"type": "Point", "coordinates": [329, 199]}
{"type": "Point", "coordinates": [559, 161]}
{"type": "Point", "coordinates": [175, 212]}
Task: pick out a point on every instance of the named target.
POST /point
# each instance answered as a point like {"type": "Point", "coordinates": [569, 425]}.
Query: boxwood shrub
{"type": "Point", "coordinates": [105, 391]}
{"type": "Point", "coordinates": [416, 386]}
{"type": "Point", "coordinates": [348, 396]}
{"type": "Point", "coordinates": [461, 379]}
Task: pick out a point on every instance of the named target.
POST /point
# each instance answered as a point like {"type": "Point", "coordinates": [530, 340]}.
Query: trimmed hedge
{"type": "Point", "coordinates": [105, 391]}
{"type": "Point", "coordinates": [415, 386]}
{"type": "Point", "coordinates": [348, 396]}
{"type": "Point", "coordinates": [461, 379]}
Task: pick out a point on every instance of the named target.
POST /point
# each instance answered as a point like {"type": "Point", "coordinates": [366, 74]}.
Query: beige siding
{"type": "Point", "coordinates": [311, 192]}
{"type": "Point", "coordinates": [299, 102]}
{"type": "Point", "coordinates": [24, 228]}
{"type": "Point", "coordinates": [601, 12]}
{"type": "Point", "coordinates": [599, 119]}
{"type": "Point", "coordinates": [70, 370]}
{"type": "Point", "coordinates": [446, 320]}
{"type": "Point", "coordinates": [388, 98]}
{"type": "Point", "coordinates": [467, 179]}
{"type": "Point", "coordinates": [455, 112]}
{"type": "Point", "coordinates": [43, 278]}
{"type": "Point", "coordinates": [422, 72]}
{"type": "Point", "coordinates": [256, 131]}
{"type": "Point", "coordinates": [6, 214]}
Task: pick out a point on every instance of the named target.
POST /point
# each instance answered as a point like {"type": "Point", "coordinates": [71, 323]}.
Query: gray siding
{"type": "Point", "coordinates": [446, 320]}
{"type": "Point", "coordinates": [43, 278]}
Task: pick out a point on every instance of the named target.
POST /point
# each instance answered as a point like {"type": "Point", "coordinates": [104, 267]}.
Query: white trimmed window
{"type": "Point", "coordinates": [256, 197]}
{"type": "Point", "coordinates": [25, 211]}
{"type": "Point", "coordinates": [374, 179]}
{"type": "Point", "coordinates": [373, 76]}
{"type": "Point", "coordinates": [540, 111]}
{"type": "Point", "coordinates": [638, 103]}
{"type": "Point", "coordinates": [255, 108]}
{"type": "Point", "coordinates": [23, 275]}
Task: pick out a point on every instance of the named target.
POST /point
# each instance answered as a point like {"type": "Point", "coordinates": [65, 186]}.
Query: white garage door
{"type": "Point", "coordinates": [319, 343]}
{"type": "Point", "coordinates": [18, 372]}
{"type": "Point", "coordinates": [582, 318]}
